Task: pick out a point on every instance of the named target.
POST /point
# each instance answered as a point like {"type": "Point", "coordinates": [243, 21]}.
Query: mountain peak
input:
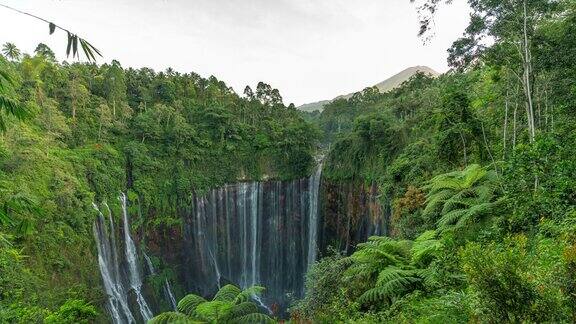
{"type": "Point", "coordinates": [387, 85]}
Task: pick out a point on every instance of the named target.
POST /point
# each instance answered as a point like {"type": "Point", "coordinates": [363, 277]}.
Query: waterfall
{"type": "Point", "coordinates": [167, 288]}
{"type": "Point", "coordinates": [254, 196]}
{"type": "Point", "coordinates": [109, 269]}
{"type": "Point", "coordinates": [119, 281]}
{"type": "Point", "coordinates": [132, 259]}
{"type": "Point", "coordinates": [314, 189]}
{"type": "Point", "coordinates": [249, 233]}
{"type": "Point", "coordinates": [253, 233]}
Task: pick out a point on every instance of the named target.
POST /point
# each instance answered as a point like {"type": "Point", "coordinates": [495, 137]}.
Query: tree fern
{"type": "Point", "coordinates": [229, 305]}
{"type": "Point", "coordinates": [215, 310]}
{"type": "Point", "coordinates": [242, 309]}
{"type": "Point", "coordinates": [379, 252]}
{"type": "Point", "coordinates": [248, 293]}
{"type": "Point", "coordinates": [254, 318]}
{"type": "Point", "coordinates": [227, 293]}
{"type": "Point", "coordinates": [172, 318]}
{"type": "Point", "coordinates": [188, 304]}
{"type": "Point", "coordinates": [425, 248]}
{"type": "Point", "coordinates": [461, 197]}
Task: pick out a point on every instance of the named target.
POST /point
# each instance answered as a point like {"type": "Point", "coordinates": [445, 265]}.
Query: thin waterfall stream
{"type": "Point", "coordinates": [169, 295]}
{"type": "Point", "coordinates": [133, 267]}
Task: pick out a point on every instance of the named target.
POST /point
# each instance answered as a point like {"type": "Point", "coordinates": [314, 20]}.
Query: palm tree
{"type": "Point", "coordinates": [229, 305]}
{"type": "Point", "coordinates": [11, 51]}
{"type": "Point", "coordinates": [461, 197]}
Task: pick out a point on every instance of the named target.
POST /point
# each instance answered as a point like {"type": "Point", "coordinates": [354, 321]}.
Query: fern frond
{"type": "Point", "coordinates": [172, 318]}
{"type": "Point", "coordinates": [227, 293]}
{"type": "Point", "coordinates": [374, 295]}
{"type": "Point", "coordinates": [390, 289]}
{"type": "Point", "coordinates": [393, 273]}
{"type": "Point", "coordinates": [242, 309]}
{"type": "Point", "coordinates": [475, 212]}
{"type": "Point", "coordinates": [215, 310]}
{"type": "Point", "coordinates": [429, 276]}
{"type": "Point", "coordinates": [254, 318]}
{"type": "Point", "coordinates": [427, 235]}
{"type": "Point", "coordinates": [425, 248]}
{"type": "Point", "coordinates": [447, 183]}
{"type": "Point", "coordinates": [473, 174]}
{"type": "Point", "coordinates": [450, 218]}
{"type": "Point", "coordinates": [434, 201]}
{"type": "Point", "coordinates": [188, 304]}
{"type": "Point", "coordinates": [454, 202]}
{"type": "Point", "coordinates": [248, 293]}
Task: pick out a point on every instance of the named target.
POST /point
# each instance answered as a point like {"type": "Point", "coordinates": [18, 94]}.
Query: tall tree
{"type": "Point", "coordinates": [47, 52]}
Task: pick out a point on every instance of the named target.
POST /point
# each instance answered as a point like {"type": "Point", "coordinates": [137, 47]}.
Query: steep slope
{"type": "Point", "coordinates": [310, 107]}
{"type": "Point", "coordinates": [384, 86]}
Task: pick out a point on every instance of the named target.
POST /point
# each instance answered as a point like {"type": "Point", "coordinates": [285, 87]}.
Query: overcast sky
{"type": "Point", "coordinates": [309, 49]}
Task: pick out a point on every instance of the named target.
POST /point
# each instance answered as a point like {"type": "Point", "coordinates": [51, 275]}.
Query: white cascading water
{"type": "Point", "coordinates": [108, 263]}
{"type": "Point", "coordinates": [314, 189]}
{"type": "Point", "coordinates": [254, 198]}
{"type": "Point", "coordinates": [167, 288]}
{"type": "Point", "coordinates": [255, 233]}
{"type": "Point", "coordinates": [214, 239]}
{"type": "Point", "coordinates": [132, 258]}
{"type": "Point", "coordinates": [116, 264]}
{"type": "Point", "coordinates": [252, 233]}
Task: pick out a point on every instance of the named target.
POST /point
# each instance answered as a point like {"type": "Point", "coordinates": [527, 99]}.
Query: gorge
{"type": "Point", "coordinates": [265, 233]}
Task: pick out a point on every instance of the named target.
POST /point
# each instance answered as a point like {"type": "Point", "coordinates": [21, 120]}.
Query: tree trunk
{"type": "Point", "coordinates": [505, 132]}
{"type": "Point", "coordinates": [527, 63]}
{"type": "Point", "coordinates": [514, 126]}
{"type": "Point", "coordinates": [464, 145]}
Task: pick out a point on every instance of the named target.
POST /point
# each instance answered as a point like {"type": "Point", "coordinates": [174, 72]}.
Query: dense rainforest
{"type": "Point", "coordinates": [90, 132]}
{"type": "Point", "coordinates": [478, 168]}
{"type": "Point", "coordinates": [471, 174]}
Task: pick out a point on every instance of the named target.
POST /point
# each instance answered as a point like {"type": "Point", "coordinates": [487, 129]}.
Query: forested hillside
{"type": "Point", "coordinates": [86, 132]}
{"type": "Point", "coordinates": [188, 191]}
{"type": "Point", "coordinates": [477, 168]}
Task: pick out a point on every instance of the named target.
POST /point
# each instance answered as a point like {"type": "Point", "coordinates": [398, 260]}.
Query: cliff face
{"type": "Point", "coordinates": [262, 233]}
{"type": "Point", "coordinates": [350, 213]}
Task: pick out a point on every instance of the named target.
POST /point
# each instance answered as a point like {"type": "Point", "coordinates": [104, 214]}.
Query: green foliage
{"type": "Point", "coordinates": [91, 131]}
{"type": "Point", "coordinates": [73, 311]}
{"type": "Point", "coordinates": [188, 304]}
{"type": "Point", "coordinates": [462, 197]}
{"type": "Point", "coordinates": [172, 318]}
{"type": "Point", "coordinates": [506, 285]}
{"type": "Point", "coordinates": [9, 106]}
{"type": "Point", "coordinates": [329, 296]}
{"type": "Point", "coordinates": [393, 267]}
{"type": "Point", "coordinates": [229, 305]}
